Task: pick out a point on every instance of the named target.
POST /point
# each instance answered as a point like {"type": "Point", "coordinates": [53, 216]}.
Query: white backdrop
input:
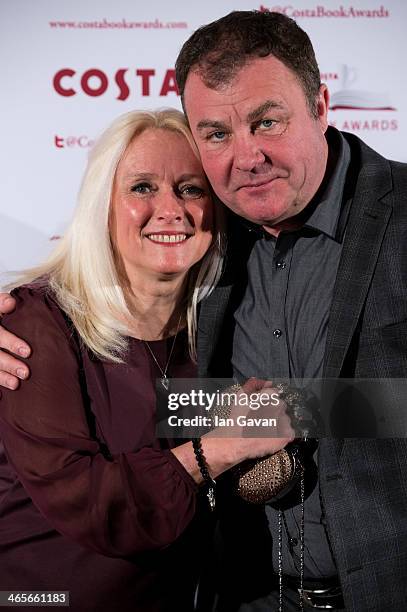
{"type": "Point", "coordinates": [68, 67]}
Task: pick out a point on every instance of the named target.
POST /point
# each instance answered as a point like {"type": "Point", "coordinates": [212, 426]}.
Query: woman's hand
{"type": "Point", "coordinates": [11, 369]}
{"type": "Point", "coordinates": [242, 442]}
{"type": "Point", "coordinates": [225, 448]}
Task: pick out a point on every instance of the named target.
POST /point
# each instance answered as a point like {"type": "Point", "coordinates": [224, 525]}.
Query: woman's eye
{"type": "Point", "coordinates": [191, 191]}
{"type": "Point", "coordinates": [141, 188]}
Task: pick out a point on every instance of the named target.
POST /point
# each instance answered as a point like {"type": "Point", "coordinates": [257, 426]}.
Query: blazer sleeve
{"type": "Point", "coordinates": [119, 506]}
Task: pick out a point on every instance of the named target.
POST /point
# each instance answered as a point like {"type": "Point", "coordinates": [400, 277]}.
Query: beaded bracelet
{"type": "Point", "coordinates": [203, 468]}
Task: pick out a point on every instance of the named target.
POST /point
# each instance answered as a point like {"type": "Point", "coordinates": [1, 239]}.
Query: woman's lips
{"type": "Point", "coordinates": [168, 239]}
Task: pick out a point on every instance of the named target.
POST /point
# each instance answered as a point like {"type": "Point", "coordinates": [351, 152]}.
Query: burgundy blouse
{"type": "Point", "coordinates": [91, 501]}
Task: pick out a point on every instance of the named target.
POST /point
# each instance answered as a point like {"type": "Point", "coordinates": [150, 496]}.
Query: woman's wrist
{"type": "Point", "coordinates": [220, 455]}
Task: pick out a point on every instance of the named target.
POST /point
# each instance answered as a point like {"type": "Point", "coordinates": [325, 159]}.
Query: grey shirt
{"type": "Point", "coordinates": [281, 328]}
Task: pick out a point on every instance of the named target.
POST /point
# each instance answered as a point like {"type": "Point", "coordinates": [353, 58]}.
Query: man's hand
{"type": "Point", "coordinates": [11, 369]}
{"type": "Point", "coordinates": [237, 439]}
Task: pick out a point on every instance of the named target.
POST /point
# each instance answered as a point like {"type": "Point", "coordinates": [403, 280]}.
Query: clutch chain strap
{"type": "Point", "coordinates": [280, 550]}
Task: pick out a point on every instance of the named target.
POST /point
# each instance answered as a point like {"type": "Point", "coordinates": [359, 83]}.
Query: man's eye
{"type": "Point", "coordinates": [191, 191]}
{"type": "Point", "coordinates": [266, 124]}
{"type": "Point", "coordinates": [141, 188]}
{"type": "Point", "coordinates": [216, 136]}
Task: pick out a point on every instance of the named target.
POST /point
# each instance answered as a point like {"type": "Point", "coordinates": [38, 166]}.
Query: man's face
{"type": "Point", "coordinates": [263, 152]}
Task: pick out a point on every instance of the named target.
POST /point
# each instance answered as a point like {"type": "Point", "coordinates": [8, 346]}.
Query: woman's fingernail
{"type": "Point", "coordinates": [21, 373]}
{"type": "Point", "coordinates": [24, 352]}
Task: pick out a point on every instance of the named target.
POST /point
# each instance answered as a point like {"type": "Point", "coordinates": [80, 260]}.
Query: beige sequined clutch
{"type": "Point", "coordinates": [264, 480]}
{"type": "Point", "coordinates": [259, 481]}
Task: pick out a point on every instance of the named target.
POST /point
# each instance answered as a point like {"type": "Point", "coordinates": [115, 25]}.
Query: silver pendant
{"type": "Point", "coordinates": [165, 382]}
{"type": "Point", "coordinates": [211, 498]}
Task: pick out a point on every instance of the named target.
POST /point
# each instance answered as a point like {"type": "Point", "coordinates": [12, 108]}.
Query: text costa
{"type": "Point", "coordinates": [95, 82]}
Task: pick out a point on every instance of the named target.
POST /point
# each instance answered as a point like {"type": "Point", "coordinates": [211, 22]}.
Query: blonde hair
{"type": "Point", "coordinates": [82, 271]}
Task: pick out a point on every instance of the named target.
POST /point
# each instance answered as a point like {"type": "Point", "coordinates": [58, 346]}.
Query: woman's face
{"type": "Point", "coordinates": [162, 212]}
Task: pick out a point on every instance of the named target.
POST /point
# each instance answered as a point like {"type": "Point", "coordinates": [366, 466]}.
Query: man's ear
{"type": "Point", "coordinates": [323, 106]}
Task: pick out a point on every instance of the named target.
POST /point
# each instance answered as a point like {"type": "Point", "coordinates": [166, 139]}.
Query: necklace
{"type": "Point", "coordinates": [165, 381]}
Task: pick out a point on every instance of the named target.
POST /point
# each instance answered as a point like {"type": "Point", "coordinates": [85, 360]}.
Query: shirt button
{"type": "Point", "coordinates": [281, 265]}
{"type": "Point", "coordinates": [277, 333]}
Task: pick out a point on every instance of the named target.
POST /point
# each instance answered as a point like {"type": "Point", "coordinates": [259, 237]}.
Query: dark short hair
{"type": "Point", "coordinates": [217, 51]}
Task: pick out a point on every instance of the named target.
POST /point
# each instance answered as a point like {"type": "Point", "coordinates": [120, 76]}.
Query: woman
{"type": "Point", "coordinates": [92, 502]}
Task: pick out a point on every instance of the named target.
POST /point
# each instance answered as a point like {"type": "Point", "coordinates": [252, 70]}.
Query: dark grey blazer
{"type": "Point", "coordinates": [363, 482]}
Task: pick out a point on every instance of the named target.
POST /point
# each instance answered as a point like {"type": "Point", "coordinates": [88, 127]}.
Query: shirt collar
{"type": "Point", "coordinates": [326, 210]}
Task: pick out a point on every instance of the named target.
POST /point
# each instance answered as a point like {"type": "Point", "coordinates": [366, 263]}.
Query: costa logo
{"type": "Point", "coordinates": [350, 97]}
{"type": "Point", "coordinates": [95, 82]}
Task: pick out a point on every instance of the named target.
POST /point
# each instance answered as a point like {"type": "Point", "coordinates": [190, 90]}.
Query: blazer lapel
{"type": "Point", "coordinates": [217, 310]}
{"type": "Point", "coordinates": [211, 316]}
{"type": "Point", "coordinates": [369, 215]}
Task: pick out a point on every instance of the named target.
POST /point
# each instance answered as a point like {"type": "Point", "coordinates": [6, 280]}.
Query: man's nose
{"type": "Point", "coordinates": [168, 208]}
{"type": "Point", "coordinates": [247, 153]}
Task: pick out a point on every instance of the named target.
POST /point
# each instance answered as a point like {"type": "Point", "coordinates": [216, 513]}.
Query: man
{"type": "Point", "coordinates": [315, 286]}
